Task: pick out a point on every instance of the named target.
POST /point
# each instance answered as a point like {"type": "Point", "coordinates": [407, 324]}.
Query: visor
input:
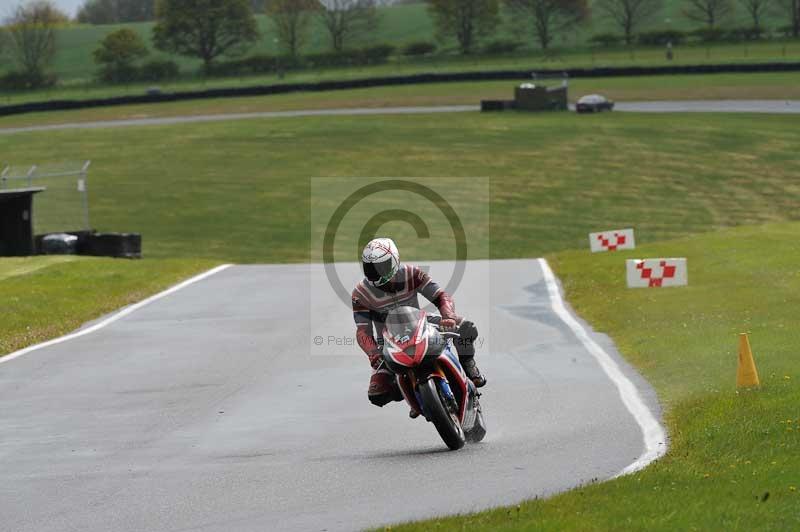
{"type": "Point", "coordinates": [377, 271]}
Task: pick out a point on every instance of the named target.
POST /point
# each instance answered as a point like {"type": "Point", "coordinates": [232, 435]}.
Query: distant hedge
{"type": "Point", "coordinates": [502, 46]}
{"type": "Point", "coordinates": [708, 35]}
{"type": "Point", "coordinates": [606, 39]}
{"type": "Point", "coordinates": [745, 33]}
{"type": "Point", "coordinates": [661, 37]}
{"type": "Point", "coordinates": [269, 64]}
{"type": "Point", "coordinates": [497, 75]}
{"type": "Point", "coordinates": [256, 64]}
{"type": "Point", "coordinates": [419, 48]}
{"type": "Point", "coordinates": [373, 55]}
{"type": "Point", "coordinates": [157, 70]}
{"type": "Point", "coordinates": [700, 35]}
{"type": "Point", "coordinates": [18, 81]}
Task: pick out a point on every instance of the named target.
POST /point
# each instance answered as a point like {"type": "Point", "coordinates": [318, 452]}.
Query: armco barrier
{"type": "Point", "coordinates": [122, 245]}
{"type": "Point", "coordinates": [385, 81]}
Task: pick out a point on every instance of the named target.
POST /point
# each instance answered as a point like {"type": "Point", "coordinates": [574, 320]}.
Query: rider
{"type": "Point", "coordinates": [389, 284]}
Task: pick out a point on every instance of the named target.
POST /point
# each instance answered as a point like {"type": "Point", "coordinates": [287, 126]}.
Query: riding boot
{"type": "Point", "coordinates": [472, 371]}
{"type": "Point", "coordinates": [465, 346]}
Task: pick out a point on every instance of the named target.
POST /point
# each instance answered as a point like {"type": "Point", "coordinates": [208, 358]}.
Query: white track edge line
{"type": "Point", "coordinates": [114, 317]}
{"type": "Point", "coordinates": [654, 435]}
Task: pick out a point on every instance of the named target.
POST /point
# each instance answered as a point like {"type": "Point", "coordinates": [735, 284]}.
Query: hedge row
{"type": "Point", "coordinates": [379, 54]}
{"type": "Point", "coordinates": [264, 64]}
{"type": "Point", "coordinates": [19, 81]}
{"type": "Point", "coordinates": [419, 48]}
{"type": "Point", "coordinates": [702, 35]}
{"type": "Point", "coordinates": [150, 71]}
{"type": "Point", "coordinates": [373, 55]}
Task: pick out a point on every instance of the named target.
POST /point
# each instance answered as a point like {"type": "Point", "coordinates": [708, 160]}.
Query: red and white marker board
{"type": "Point", "coordinates": [612, 240]}
{"type": "Point", "coordinates": [656, 273]}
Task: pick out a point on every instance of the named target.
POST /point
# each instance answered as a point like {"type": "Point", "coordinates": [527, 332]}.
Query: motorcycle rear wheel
{"type": "Point", "coordinates": [446, 423]}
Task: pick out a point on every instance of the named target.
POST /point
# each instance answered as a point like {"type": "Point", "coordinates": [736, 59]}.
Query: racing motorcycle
{"type": "Point", "coordinates": [430, 375]}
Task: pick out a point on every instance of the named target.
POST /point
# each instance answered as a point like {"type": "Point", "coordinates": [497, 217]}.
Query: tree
{"type": "Point", "coordinates": [30, 36]}
{"type": "Point", "coordinates": [292, 20]}
{"type": "Point", "coordinates": [204, 28]}
{"type": "Point", "coordinates": [465, 20]}
{"type": "Point", "coordinates": [548, 17]}
{"type": "Point", "coordinates": [118, 53]}
{"type": "Point", "coordinates": [629, 15]}
{"type": "Point", "coordinates": [115, 11]}
{"type": "Point", "coordinates": [98, 12]}
{"type": "Point", "coordinates": [756, 9]}
{"type": "Point", "coordinates": [709, 12]}
{"type": "Point", "coordinates": [136, 10]}
{"type": "Point", "coordinates": [792, 8]}
{"type": "Point", "coordinates": [44, 11]}
{"type": "Point", "coordinates": [347, 20]}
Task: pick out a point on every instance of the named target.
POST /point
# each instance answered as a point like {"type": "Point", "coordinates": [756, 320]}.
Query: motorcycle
{"type": "Point", "coordinates": [430, 376]}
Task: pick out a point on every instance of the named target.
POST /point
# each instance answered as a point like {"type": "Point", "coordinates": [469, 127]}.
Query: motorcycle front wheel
{"type": "Point", "coordinates": [439, 414]}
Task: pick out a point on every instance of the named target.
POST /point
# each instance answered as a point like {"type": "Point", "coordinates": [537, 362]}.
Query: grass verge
{"type": "Point", "coordinates": [768, 86]}
{"type": "Point", "coordinates": [734, 461]}
{"type": "Point", "coordinates": [46, 297]}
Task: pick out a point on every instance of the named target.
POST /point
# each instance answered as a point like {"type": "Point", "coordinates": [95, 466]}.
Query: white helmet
{"type": "Point", "coordinates": [380, 260]}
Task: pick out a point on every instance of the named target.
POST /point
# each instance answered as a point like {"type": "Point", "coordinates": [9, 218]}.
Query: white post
{"type": "Point", "coordinates": [30, 175]}
{"type": "Point", "coordinates": [85, 178]}
{"type": "Point", "coordinates": [3, 178]}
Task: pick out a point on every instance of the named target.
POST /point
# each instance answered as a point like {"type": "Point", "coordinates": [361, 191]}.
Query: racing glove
{"type": "Point", "coordinates": [449, 324]}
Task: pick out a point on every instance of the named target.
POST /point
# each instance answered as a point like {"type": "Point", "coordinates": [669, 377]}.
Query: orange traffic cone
{"type": "Point", "coordinates": [746, 373]}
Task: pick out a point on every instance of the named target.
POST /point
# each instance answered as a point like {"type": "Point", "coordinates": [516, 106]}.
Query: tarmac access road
{"type": "Point", "coordinates": [696, 106]}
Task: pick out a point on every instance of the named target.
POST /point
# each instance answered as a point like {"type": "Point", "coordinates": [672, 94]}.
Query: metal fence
{"type": "Point", "coordinates": [64, 205]}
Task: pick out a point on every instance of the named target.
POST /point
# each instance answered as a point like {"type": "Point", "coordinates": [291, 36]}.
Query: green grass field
{"type": "Point", "coordinates": [210, 191]}
{"type": "Point", "coordinates": [205, 194]}
{"type": "Point", "coordinates": [687, 87]}
{"type": "Point", "coordinates": [734, 460]}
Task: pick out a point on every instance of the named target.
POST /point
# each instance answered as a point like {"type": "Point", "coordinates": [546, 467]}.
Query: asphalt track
{"type": "Point", "coordinates": [213, 409]}
{"type": "Point", "coordinates": [696, 106]}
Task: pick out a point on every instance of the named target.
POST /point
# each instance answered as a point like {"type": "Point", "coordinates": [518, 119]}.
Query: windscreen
{"type": "Point", "coordinates": [401, 323]}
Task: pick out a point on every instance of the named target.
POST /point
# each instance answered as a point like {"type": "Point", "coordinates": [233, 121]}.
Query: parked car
{"type": "Point", "coordinates": [593, 103]}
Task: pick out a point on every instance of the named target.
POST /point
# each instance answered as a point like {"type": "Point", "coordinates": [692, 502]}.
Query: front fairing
{"type": "Point", "coordinates": [409, 340]}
